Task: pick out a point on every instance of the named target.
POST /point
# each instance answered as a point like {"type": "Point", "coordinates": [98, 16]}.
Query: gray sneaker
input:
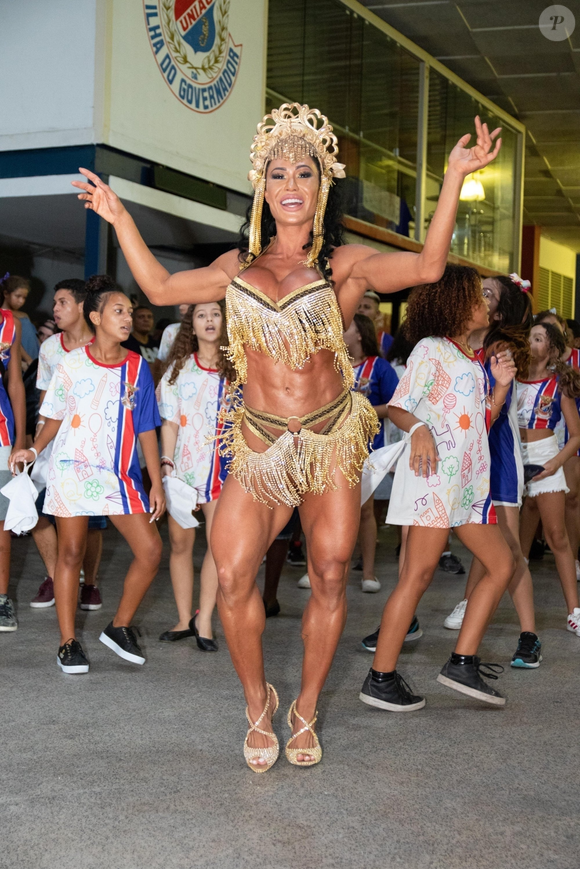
{"type": "Point", "coordinates": [7, 617]}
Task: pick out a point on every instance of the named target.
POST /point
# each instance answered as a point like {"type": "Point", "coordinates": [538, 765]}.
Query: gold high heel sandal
{"type": "Point", "coordinates": [270, 754]}
{"type": "Point", "coordinates": [292, 753]}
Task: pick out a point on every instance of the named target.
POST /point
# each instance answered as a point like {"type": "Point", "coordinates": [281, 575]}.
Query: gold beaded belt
{"type": "Point", "coordinates": [335, 412]}
{"type": "Point", "coordinates": [299, 461]}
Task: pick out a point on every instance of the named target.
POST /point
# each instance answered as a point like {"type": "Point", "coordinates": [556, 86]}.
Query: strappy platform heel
{"type": "Point", "coordinates": [269, 754]}
{"type": "Point", "coordinates": [292, 753]}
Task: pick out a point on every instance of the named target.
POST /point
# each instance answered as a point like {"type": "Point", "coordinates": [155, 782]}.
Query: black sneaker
{"type": "Point", "coordinates": [370, 643]}
{"type": "Point", "coordinates": [466, 678]}
{"type": "Point", "coordinates": [528, 653]}
{"type": "Point", "coordinates": [296, 555]}
{"type": "Point", "coordinates": [358, 565]}
{"type": "Point", "coordinates": [71, 658]}
{"type": "Point", "coordinates": [392, 694]}
{"type": "Point", "coordinates": [451, 564]}
{"type": "Point", "coordinates": [123, 642]}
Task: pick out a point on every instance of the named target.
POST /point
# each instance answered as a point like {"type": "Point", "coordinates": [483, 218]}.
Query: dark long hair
{"type": "Point", "coordinates": [368, 335]}
{"type": "Point", "coordinates": [568, 377]}
{"type": "Point", "coordinates": [186, 343]}
{"type": "Point", "coordinates": [333, 230]}
{"type": "Point", "coordinates": [512, 328]}
{"type": "Point", "coordinates": [401, 348]}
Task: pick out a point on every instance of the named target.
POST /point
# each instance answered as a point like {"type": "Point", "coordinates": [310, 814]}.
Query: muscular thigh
{"type": "Point", "coordinates": [243, 529]}
{"type": "Point", "coordinates": [330, 522]}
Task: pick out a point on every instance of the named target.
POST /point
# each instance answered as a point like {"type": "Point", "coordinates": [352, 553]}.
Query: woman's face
{"type": "Point", "coordinates": [492, 293]}
{"type": "Point", "coordinates": [17, 298]}
{"type": "Point", "coordinates": [183, 309]}
{"type": "Point", "coordinates": [352, 336]}
{"type": "Point", "coordinates": [292, 190]}
{"type": "Point", "coordinates": [207, 322]}
{"type": "Point", "coordinates": [115, 319]}
{"type": "Point", "coordinates": [480, 315]}
{"type": "Point", "coordinates": [45, 331]}
{"type": "Point", "coordinates": [539, 344]}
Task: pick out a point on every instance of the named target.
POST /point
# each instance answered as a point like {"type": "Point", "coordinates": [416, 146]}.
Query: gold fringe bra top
{"type": "Point", "coordinates": [291, 331]}
{"type": "Point", "coordinates": [295, 462]}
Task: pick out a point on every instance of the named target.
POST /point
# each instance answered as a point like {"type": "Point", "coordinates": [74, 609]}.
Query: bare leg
{"type": "Point", "coordinates": [44, 536]}
{"type": "Point", "coordinates": [93, 553]}
{"type": "Point", "coordinates": [572, 472]}
{"type": "Point", "coordinates": [368, 538]}
{"type": "Point", "coordinates": [329, 522]}
{"type": "Point", "coordinates": [423, 548]}
{"type": "Point", "coordinates": [145, 543]}
{"type": "Point", "coordinates": [238, 557]}
{"type": "Point", "coordinates": [529, 519]}
{"type": "Point", "coordinates": [520, 587]}
{"type": "Point", "coordinates": [552, 510]}
{"type": "Point", "coordinates": [181, 541]}
{"type": "Point", "coordinates": [5, 547]}
{"type": "Point", "coordinates": [487, 543]}
{"type": "Point", "coordinates": [403, 549]}
{"type": "Point", "coordinates": [72, 541]}
{"type": "Point", "coordinates": [208, 583]}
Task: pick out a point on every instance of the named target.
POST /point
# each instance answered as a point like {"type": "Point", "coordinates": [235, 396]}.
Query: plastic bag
{"type": "Point", "coordinates": [181, 501]}
{"type": "Point", "coordinates": [22, 515]}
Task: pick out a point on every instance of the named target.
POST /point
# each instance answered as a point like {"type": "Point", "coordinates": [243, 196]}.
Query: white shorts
{"type": "Point", "coordinates": [538, 453]}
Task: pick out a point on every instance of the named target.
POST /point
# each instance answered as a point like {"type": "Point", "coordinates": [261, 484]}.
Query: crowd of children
{"type": "Point", "coordinates": [484, 394]}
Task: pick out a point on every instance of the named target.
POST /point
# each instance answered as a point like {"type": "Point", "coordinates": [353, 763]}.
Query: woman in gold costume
{"type": "Point", "coordinates": [298, 436]}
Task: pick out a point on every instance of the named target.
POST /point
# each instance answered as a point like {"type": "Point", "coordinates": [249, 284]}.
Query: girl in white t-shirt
{"type": "Point", "coordinates": [190, 394]}
{"type": "Point", "coordinates": [101, 398]}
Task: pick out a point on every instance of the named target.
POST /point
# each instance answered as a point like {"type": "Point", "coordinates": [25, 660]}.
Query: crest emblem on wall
{"type": "Point", "coordinates": [194, 50]}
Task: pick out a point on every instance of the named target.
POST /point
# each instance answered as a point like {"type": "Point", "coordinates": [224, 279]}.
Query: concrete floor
{"type": "Point", "coordinates": [133, 767]}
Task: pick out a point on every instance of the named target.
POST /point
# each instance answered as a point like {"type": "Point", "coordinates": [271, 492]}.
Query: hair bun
{"type": "Point", "coordinates": [102, 283]}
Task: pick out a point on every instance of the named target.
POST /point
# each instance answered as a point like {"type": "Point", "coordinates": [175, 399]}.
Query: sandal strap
{"type": "Point", "coordinates": [307, 726]}
{"type": "Point", "coordinates": [254, 725]}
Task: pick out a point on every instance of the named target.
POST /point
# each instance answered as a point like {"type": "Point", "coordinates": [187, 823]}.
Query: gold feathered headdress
{"type": "Point", "coordinates": [292, 132]}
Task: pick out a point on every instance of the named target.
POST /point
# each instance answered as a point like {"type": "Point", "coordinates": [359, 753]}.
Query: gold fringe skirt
{"type": "Point", "coordinates": [303, 461]}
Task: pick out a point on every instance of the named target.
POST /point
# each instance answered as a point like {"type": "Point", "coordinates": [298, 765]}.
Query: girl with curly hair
{"type": "Point", "coordinates": [510, 312]}
{"type": "Point", "coordinates": [442, 481]}
{"type": "Point", "coordinates": [550, 393]}
{"type": "Point", "coordinates": [190, 396]}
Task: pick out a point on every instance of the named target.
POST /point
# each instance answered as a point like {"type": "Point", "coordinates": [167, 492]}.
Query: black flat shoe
{"type": "Point", "coordinates": [203, 643]}
{"type": "Point", "coordinates": [173, 636]}
{"type": "Point", "coordinates": [272, 609]}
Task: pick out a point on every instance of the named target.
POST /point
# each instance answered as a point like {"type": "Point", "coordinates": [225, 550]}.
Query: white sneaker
{"type": "Point", "coordinates": [304, 581]}
{"type": "Point", "coordinates": [573, 623]}
{"type": "Point", "coordinates": [577, 570]}
{"type": "Point", "coordinates": [454, 621]}
{"type": "Point", "coordinates": [370, 585]}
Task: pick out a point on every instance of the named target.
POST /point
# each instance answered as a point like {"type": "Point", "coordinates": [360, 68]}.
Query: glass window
{"type": "Point", "coordinates": [484, 232]}
{"type": "Point", "coordinates": [322, 53]}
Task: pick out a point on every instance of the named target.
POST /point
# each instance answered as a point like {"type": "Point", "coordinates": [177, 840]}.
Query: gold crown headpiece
{"type": "Point", "coordinates": [291, 132]}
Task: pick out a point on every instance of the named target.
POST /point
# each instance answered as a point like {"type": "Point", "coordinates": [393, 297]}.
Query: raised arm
{"type": "Point", "coordinates": [390, 272]}
{"type": "Point", "coordinates": [161, 288]}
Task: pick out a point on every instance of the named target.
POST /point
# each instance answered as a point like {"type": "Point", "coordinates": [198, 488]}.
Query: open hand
{"type": "Point", "coordinates": [467, 160]}
{"type": "Point", "coordinates": [503, 368]}
{"type": "Point", "coordinates": [99, 197]}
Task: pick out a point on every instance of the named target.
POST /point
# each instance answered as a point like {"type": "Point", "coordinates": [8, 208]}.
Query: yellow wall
{"type": "Point", "coordinates": [557, 258]}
